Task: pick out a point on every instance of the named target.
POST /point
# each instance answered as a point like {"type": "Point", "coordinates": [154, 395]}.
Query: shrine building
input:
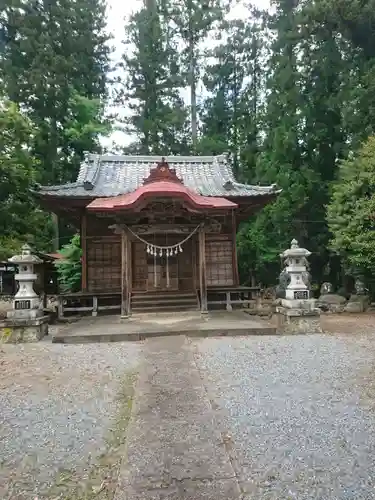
{"type": "Point", "coordinates": [157, 230]}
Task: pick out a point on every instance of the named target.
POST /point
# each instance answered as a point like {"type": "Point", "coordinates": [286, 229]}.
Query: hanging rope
{"type": "Point", "coordinates": [168, 250]}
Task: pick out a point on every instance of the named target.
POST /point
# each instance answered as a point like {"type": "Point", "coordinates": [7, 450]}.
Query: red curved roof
{"type": "Point", "coordinates": [159, 189]}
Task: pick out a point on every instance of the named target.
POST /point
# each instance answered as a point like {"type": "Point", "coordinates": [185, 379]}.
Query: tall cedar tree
{"type": "Point", "coordinates": [261, 241]}
{"type": "Point", "coordinates": [55, 62]}
{"type": "Point", "coordinates": [253, 98]}
{"type": "Point", "coordinates": [195, 20]}
{"type": "Point", "coordinates": [229, 114]}
{"type": "Point", "coordinates": [353, 21]}
{"type": "Point", "coordinates": [153, 82]}
{"type": "Point", "coordinates": [305, 136]}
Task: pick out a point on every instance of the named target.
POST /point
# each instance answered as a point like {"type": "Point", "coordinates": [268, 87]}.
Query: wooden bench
{"type": "Point", "coordinates": [247, 295]}
{"type": "Point", "coordinates": [84, 297]}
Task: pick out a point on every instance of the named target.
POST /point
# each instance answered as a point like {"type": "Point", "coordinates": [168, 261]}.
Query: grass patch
{"type": "Point", "coordinates": [100, 480]}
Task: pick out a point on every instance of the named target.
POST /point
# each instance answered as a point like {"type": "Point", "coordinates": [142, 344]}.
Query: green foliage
{"type": "Point", "coordinates": [351, 212]}
{"type": "Point", "coordinates": [310, 120]}
{"type": "Point", "coordinates": [69, 267]}
{"type": "Point", "coordinates": [54, 70]}
{"type": "Point", "coordinates": [20, 219]}
{"type": "Point", "coordinates": [55, 66]}
{"type": "Point", "coordinates": [84, 124]}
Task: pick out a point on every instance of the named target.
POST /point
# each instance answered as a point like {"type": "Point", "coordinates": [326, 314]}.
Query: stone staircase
{"type": "Point", "coordinates": [164, 301]}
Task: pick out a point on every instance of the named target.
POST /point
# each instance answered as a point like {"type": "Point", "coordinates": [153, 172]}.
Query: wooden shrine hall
{"type": "Point", "coordinates": [157, 230]}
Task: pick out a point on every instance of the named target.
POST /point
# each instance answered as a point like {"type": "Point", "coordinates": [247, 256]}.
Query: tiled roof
{"type": "Point", "coordinates": [112, 175]}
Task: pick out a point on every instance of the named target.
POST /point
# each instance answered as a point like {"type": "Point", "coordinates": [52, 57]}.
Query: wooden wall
{"type": "Point", "coordinates": [103, 263]}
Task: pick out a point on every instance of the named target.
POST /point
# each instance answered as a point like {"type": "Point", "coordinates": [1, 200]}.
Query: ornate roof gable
{"type": "Point", "coordinates": [162, 172]}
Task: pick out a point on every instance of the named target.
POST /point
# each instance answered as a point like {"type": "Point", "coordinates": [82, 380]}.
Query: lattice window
{"type": "Point", "coordinates": [219, 263]}
{"type": "Point", "coordinates": [104, 266]}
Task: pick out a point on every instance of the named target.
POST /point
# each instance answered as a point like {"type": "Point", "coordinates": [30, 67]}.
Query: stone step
{"type": "Point", "coordinates": [162, 295]}
{"type": "Point", "coordinates": [165, 308]}
{"type": "Point", "coordinates": [164, 301]}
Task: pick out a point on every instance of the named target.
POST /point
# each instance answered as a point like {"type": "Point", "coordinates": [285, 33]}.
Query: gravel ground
{"type": "Point", "coordinates": [298, 413]}
{"type": "Point", "coordinates": [348, 323]}
{"type": "Point", "coordinates": [56, 406]}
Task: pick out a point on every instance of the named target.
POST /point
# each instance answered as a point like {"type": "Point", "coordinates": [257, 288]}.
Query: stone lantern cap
{"type": "Point", "coordinates": [26, 257]}
{"type": "Point", "coordinates": [295, 251]}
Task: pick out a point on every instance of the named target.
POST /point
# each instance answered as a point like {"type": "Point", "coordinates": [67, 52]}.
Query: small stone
{"type": "Point", "coordinates": [354, 307]}
{"type": "Point", "coordinates": [332, 298]}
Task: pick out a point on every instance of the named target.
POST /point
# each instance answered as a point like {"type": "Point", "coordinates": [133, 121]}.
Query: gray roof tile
{"type": "Point", "coordinates": [110, 175]}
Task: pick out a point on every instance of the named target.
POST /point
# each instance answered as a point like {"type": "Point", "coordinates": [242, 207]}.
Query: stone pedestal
{"type": "Point", "coordinates": [297, 313]}
{"type": "Point", "coordinates": [19, 330]}
{"type": "Point", "coordinates": [26, 321]}
{"type": "Point", "coordinates": [297, 320]}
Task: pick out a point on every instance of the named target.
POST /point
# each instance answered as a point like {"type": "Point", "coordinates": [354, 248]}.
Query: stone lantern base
{"type": "Point", "coordinates": [17, 330]}
{"type": "Point", "coordinates": [301, 319]}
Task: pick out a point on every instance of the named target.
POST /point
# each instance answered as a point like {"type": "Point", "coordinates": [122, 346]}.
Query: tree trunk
{"type": "Point", "coordinates": [193, 105]}
{"type": "Point", "coordinates": [193, 83]}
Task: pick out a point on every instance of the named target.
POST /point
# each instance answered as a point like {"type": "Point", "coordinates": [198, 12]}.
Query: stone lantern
{"type": "Point", "coordinates": [26, 301]}
{"type": "Point", "coordinates": [25, 322]}
{"type": "Point", "coordinates": [295, 259]}
{"type": "Point", "coordinates": [297, 312]}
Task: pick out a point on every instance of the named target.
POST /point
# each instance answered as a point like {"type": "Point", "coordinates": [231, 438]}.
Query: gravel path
{"type": "Point", "coordinates": [56, 405]}
{"type": "Point", "coordinates": [299, 413]}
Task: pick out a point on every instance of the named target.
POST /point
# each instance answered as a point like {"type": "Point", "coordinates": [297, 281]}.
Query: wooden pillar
{"type": "Point", "coordinates": [202, 270]}
{"type": "Point", "coordinates": [125, 274]}
{"type": "Point", "coordinates": [236, 279]}
{"type": "Point", "coordinates": [56, 239]}
{"type": "Point", "coordinates": [84, 252]}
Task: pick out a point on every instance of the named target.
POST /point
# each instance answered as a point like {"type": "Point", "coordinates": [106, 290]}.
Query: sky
{"type": "Point", "coordinates": [118, 11]}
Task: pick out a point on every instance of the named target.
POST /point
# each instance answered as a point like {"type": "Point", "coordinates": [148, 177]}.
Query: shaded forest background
{"type": "Point", "coordinates": [288, 94]}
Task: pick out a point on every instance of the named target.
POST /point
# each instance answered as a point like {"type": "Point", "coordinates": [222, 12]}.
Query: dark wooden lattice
{"type": "Point", "coordinates": [219, 263]}
{"type": "Point", "coordinates": [104, 266]}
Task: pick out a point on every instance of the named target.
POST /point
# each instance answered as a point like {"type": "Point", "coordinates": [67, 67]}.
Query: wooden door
{"type": "Point", "coordinates": [162, 273]}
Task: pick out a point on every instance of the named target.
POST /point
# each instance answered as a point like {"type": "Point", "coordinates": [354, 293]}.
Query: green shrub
{"type": "Point", "coordinates": [69, 267]}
